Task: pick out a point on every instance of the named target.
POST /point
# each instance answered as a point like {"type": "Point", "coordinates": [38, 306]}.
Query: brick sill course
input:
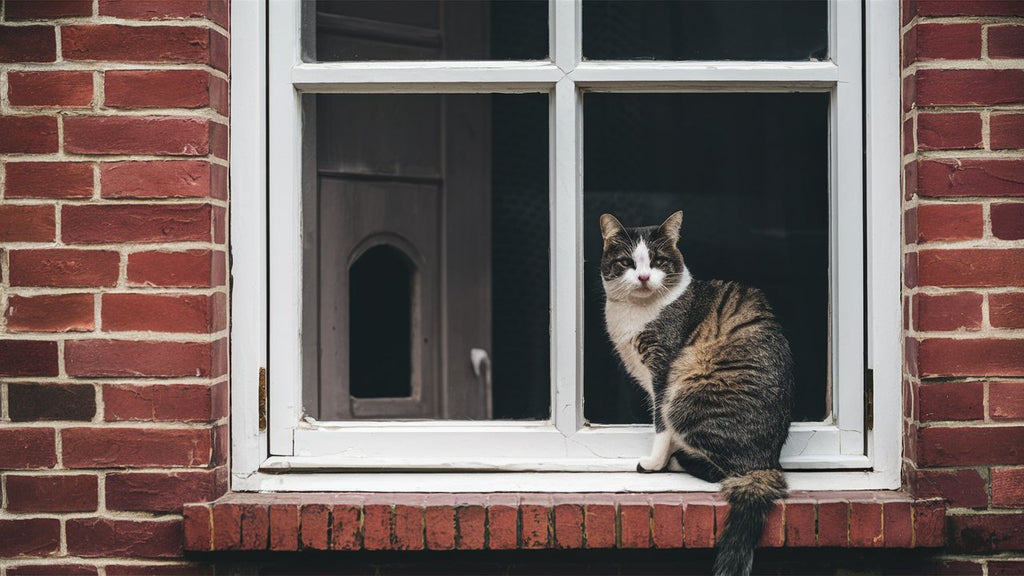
{"type": "Point", "coordinates": [502, 521]}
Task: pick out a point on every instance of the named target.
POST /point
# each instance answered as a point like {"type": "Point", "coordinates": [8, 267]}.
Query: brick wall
{"type": "Point", "coordinates": [113, 297]}
{"type": "Point", "coordinates": [963, 146]}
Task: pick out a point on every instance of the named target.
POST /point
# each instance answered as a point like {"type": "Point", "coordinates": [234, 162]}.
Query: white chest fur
{"type": "Point", "coordinates": [625, 320]}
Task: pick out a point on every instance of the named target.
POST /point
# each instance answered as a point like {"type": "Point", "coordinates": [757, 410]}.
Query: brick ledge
{"type": "Point", "coordinates": [349, 521]}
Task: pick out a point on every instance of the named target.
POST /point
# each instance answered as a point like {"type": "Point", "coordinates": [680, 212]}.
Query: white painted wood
{"type": "Point", "coordinates": [248, 177]}
{"type": "Point", "coordinates": [285, 186]}
{"type": "Point", "coordinates": [568, 442]}
{"type": "Point", "coordinates": [566, 256]}
{"type": "Point", "coordinates": [847, 222]}
{"type": "Point", "coordinates": [885, 345]}
{"type": "Point", "coordinates": [565, 482]}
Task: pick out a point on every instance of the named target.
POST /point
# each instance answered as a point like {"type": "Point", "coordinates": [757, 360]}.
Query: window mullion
{"type": "Point", "coordinates": [566, 32]}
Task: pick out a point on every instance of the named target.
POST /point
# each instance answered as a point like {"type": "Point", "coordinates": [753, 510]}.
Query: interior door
{"type": "Point", "coordinates": [402, 195]}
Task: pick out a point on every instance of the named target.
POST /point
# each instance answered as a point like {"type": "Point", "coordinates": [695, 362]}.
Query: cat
{"type": "Point", "coordinates": [718, 369]}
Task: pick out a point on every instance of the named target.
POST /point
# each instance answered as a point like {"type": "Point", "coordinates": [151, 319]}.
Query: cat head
{"type": "Point", "coordinates": [642, 263]}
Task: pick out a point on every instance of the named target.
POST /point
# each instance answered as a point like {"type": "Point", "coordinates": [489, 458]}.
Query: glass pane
{"type": "Point", "coordinates": [359, 30]}
{"type": "Point", "coordinates": [705, 30]}
{"type": "Point", "coordinates": [426, 226]}
{"type": "Point", "coordinates": [750, 173]}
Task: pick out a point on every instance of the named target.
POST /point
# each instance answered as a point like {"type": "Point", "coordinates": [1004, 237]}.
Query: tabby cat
{"type": "Point", "coordinates": [718, 369]}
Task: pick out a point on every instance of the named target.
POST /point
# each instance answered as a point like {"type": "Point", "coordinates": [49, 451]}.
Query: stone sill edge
{"type": "Point", "coordinates": [509, 521]}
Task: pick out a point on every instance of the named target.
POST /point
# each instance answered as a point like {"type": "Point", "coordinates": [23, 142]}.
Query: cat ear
{"type": "Point", "coordinates": [610, 226]}
{"type": "Point", "coordinates": [670, 227]}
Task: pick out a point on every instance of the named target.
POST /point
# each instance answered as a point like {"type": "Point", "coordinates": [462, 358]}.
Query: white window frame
{"type": "Point", "coordinates": [266, 255]}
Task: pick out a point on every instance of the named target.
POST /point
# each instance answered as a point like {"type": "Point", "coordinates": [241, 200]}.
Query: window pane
{"type": "Point", "coordinates": [705, 30]}
{"type": "Point", "coordinates": [427, 30]}
{"type": "Point", "coordinates": [426, 224]}
{"type": "Point", "coordinates": [750, 172]}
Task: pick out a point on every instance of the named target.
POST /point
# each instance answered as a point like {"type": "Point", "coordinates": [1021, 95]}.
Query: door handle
{"type": "Point", "coordinates": [481, 362]}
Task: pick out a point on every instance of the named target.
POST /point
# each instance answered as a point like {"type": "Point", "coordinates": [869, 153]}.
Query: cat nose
{"type": "Point", "coordinates": [643, 277]}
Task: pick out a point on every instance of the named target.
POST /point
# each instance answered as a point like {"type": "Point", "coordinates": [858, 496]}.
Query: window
{"type": "Point", "coordinates": [420, 276]}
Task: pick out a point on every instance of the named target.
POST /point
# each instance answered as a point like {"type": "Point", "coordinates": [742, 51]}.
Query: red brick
{"type": "Point", "coordinates": [255, 527]}
{"type": "Point", "coordinates": [139, 447]}
{"type": "Point", "coordinates": [220, 51]}
{"type": "Point", "coordinates": [1006, 41]}
{"type": "Point", "coordinates": [568, 526]}
{"type": "Point", "coordinates": [699, 525]}
{"type": "Point", "coordinates": [77, 493]}
{"type": "Point", "coordinates": [153, 9]}
{"type": "Point", "coordinates": [667, 524]}
{"type": "Point", "coordinates": [27, 223]}
{"type": "Point", "coordinates": [535, 523]}
{"type": "Point", "coordinates": [439, 520]}
{"type": "Point", "coordinates": [634, 525]}
{"type": "Point", "coordinates": [800, 524]}
{"type": "Point", "coordinates": [156, 88]}
{"type": "Point", "coordinates": [28, 44]}
{"type": "Point", "coordinates": [197, 528]}
{"type": "Point", "coordinates": [998, 567]}
{"type": "Point", "coordinates": [64, 268]}
{"type": "Point", "coordinates": [27, 448]}
{"type": "Point", "coordinates": [948, 131]}
{"type": "Point", "coordinates": [833, 524]}
{"type": "Point", "coordinates": [1006, 400]}
{"type": "Point", "coordinates": [969, 87]}
{"type": "Point", "coordinates": [599, 524]}
{"type": "Point", "coordinates": [219, 140]}
{"type": "Point", "coordinates": [951, 401]}
{"type": "Point", "coordinates": [98, 537]}
{"type": "Point", "coordinates": [163, 402]}
{"type": "Point", "coordinates": [137, 135]}
{"type": "Point", "coordinates": [968, 268]}
{"type": "Point", "coordinates": [28, 358]}
{"type": "Point", "coordinates": [975, 446]}
{"type": "Point", "coordinates": [1008, 221]}
{"type": "Point", "coordinates": [125, 358]}
{"type": "Point", "coordinates": [1007, 487]}
{"type": "Point", "coordinates": [220, 95]}
{"type": "Point", "coordinates": [29, 537]}
{"type": "Point", "coordinates": [49, 180]}
{"type": "Point", "coordinates": [986, 533]}
{"type": "Point", "coordinates": [408, 527]}
{"type": "Point", "coordinates": [471, 527]}
{"type": "Point", "coordinates": [27, 134]}
{"type": "Point", "coordinates": [40, 402]}
{"type": "Point", "coordinates": [929, 523]}
{"type": "Point", "coordinates": [50, 569]}
{"type": "Point", "coordinates": [948, 41]}
{"type": "Point", "coordinates": [866, 525]}
{"type": "Point", "coordinates": [118, 43]}
{"type": "Point", "coordinates": [907, 134]}
{"type": "Point", "coordinates": [47, 9]}
{"type": "Point", "coordinates": [220, 225]}
{"type": "Point", "coordinates": [502, 524]}
{"type": "Point", "coordinates": [971, 177]}
{"type": "Point", "coordinates": [946, 357]}
{"type": "Point", "coordinates": [163, 491]}
{"type": "Point", "coordinates": [219, 182]}
{"type": "Point", "coordinates": [377, 526]}
{"type": "Point", "coordinates": [962, 488]}
{"type": "Point", "coordinates": [192, 314]}
{"type": "Point", "coordinates": [1006, 310]}
{"type": "Point", "coordinates": [155, 179]}
{"type": "Point", "coordinates": [947, 312]}
{"type": "Point", "coordinates": [56, 313]}
{"type": "Point", "coordinates": [284, 527]}
{"type": "Point", "coordinates": [898, 531]}
{"type": "Point", "coordinates": [1006, 131]}
{"type": "Point", "coordinates": [315, 521]}
{"type": "Point", "coordinates": [774, 533]}
{"type": "Point", "coordinates": [909, 93]}
{"type": "Point", "coordinates": [910, 270]}
{"type": "Point", "coordinates": [227, 527]}
{"type": "Point", "coordinates": [219, 12]}
{"type": "Point", "coordinates": [191, 268]}
{"type": "Point", "coordinates": [970, 8]}
{"type": "Point", "coordinates": [63, 88]}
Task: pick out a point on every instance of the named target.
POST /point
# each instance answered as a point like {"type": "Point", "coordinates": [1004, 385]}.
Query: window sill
{"type": "Point", "coordinates": [505, 521]}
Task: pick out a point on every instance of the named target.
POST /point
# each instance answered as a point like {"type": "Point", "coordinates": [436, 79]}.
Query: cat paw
{"type": "Point", "coordinates": [648, 466]}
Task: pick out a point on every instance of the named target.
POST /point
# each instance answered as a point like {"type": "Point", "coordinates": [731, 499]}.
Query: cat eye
{"type": "Point", "coordinates": [627, 262]}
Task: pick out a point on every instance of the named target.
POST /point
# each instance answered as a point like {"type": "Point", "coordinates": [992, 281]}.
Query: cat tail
{"type": "Point", "coordinates": [751, 496]}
